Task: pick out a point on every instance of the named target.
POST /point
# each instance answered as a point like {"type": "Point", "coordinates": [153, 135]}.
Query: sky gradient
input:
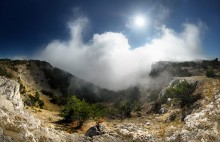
{"type": "Point", "coordinates": [27, 26]}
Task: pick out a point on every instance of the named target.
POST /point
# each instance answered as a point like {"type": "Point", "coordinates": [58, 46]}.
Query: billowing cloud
{"type": "Point", "coordinates": [109, 61]}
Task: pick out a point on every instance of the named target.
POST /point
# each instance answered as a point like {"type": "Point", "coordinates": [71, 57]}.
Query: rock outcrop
{"type": "Point", "coordinates": [95, 130]}
{"type": "Point", "coordinates": [18, 125]}
{"type": "Point", "coordinates": [200, 126]}
{"type": "Point", "coordinates": [10, 96]}
{"type": "Point", "coordinates": [203, 124]}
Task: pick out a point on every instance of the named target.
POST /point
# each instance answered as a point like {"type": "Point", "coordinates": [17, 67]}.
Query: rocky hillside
{"type": "Point", "coordinates": [185, 107]}
{"type": "Point", "coordinates": [202, 124]}
{"type": "Point", "coordinates": [18, 125]}
{"type": "Point", "coordinates": [40, 77]}
{"type": "Point", "coordinates": [183, 69]}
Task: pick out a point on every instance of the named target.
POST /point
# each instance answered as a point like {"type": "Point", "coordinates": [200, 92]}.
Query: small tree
{"type": "Point", "coordinates": [35, 100]}
{"type": "Point", "coordinates": [210, 73]}
{"type": "Point", "coordinates": [182, 92]}
{"type": "Point", "coordinates": [78, 110]}
{"type": "Point", "coordinates": [129, 102]}
{"type": "Point", "coordinates": [125, 108]}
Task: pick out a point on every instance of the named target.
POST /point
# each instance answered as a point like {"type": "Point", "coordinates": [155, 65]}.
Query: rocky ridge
{"type": "Point", "coordinates": [203, 124]}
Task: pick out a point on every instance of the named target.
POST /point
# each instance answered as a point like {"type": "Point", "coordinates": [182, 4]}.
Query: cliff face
{"type": "Point", "coordinates": [18, 125]}
{"type": "Point", "coordinates": [10, 95]}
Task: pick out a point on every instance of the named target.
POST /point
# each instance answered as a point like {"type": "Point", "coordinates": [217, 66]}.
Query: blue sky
{"type": "Point", "coordinates": [111, 43]}
{"type": "Point", "coordinates": [27, 25]}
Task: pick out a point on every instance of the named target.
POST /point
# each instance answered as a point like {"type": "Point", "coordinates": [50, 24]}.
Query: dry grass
{"type": "Point", "coordinates": [48, 105]}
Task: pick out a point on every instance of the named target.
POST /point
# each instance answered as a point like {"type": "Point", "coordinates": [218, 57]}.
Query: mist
{"type": "Point", "coordinates": [109, 61]}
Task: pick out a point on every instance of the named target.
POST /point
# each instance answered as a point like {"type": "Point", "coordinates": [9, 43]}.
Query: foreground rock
{"type": "Point", "coordinates": [18, 125]}
{"type": "Point", "coordinates": [203, 124]}
{"type": "Point", "coordinates": [95, 130]}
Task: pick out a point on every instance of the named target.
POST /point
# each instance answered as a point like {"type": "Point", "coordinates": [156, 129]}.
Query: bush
{"type": "Point", "coordinates": [40, 103]}
{"type": "Point", "coordinates": [35, 100]}
{"type": "Point", "coordinates": [153, 96]}
{"type": "Point", "coordinates": [129, 102]}
{"type": "Point", "coordinates": [47, 93]}
{"type": "Point", "coordinates": [182, 93]}
{"type": "Point", "coordinates": [125, 108]}
{"type": "Point", "coordinates": [79, 111]}
{"type": "Point", "coordinates": [210, 73]}
{"type": "Point", "coordinates": [3, 72]}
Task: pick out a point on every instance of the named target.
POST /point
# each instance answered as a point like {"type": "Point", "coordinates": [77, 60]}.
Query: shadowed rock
{"type": "Point", "coordinates": [95, 130]}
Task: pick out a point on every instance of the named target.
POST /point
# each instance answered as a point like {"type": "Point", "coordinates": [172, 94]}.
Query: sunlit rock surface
{"type": "Point", "coordinates": [18, 125]}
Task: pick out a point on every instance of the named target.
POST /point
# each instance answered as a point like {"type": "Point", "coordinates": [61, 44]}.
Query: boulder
{"type": "Point", "coordinates": [95, 130]}
{"type": "Point", "coordinates": [10, 95]}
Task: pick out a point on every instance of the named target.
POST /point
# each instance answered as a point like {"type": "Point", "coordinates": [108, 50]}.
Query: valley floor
{"type": "Point", "coordinates": [158, 126]}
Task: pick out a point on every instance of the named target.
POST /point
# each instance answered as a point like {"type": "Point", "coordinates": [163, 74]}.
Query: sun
{"type": "Point", "coordinates": [139, 21]}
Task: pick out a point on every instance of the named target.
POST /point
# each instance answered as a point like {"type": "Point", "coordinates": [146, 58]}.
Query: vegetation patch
{"type": "Point", "coordinates": [4, 72]}
{"type": "Point", "coordinates": [47, 93]}
{"type": "Point", "coordinates": [181, 94]}
{"type": "Point", "coordinates": [128, 102]}
{"type": "Point", "coordinates": [35, 101]}
{"type": "Point", "coordinates": [79, 111]}
{"type": "Point", "coordinates": [210, 73]}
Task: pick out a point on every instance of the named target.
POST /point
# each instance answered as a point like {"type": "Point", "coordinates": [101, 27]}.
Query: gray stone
{"type": "Point", "coordinates": [1, 131]}
{"type": "Point", "coordinates": [9, 90]}
{"type": "Point", "coordinates": [95, 130]}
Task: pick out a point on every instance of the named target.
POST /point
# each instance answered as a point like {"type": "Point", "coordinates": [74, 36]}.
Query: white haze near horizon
{"type": "Point", "coordinates": [108, 60]}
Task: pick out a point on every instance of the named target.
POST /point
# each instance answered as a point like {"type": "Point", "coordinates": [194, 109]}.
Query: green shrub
{"type": "Point", "coordinates": [35, 100]}
{"type": "Point", "coordinates": [210, 73]}
{"type": "Point", "coordinates": [37, 95]}
{"type": "Point", "coordinates": [3, 72]}
{"type": "Point", "coordinates": [125, 108]}
{"type": "Point", "coordinates": [182, 93]}
{"type": "Point", "coordinates": [32, 101]}
{"type": "Point", "coordinates": [153, 96]}
{"type": "Point", "coordinates": [79, 111]}
{"type": "Point", "coordinates": [47, 93]}
{"type": "Point", "coordinates": [128, 102]}
{"type": "Point", "coordinates": [40, 103]}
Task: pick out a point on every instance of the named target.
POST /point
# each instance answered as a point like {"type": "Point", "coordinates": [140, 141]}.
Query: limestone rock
{"type": "Point", "coordinates": [200, 126]}
{"type": "Point", "coordinates": [10, 95]}
{"type": "Point", "coordinates": [18, 125]}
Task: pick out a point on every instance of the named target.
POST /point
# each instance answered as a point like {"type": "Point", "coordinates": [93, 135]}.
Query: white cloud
{"type": "Point", "coordinates": [110, 62]}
